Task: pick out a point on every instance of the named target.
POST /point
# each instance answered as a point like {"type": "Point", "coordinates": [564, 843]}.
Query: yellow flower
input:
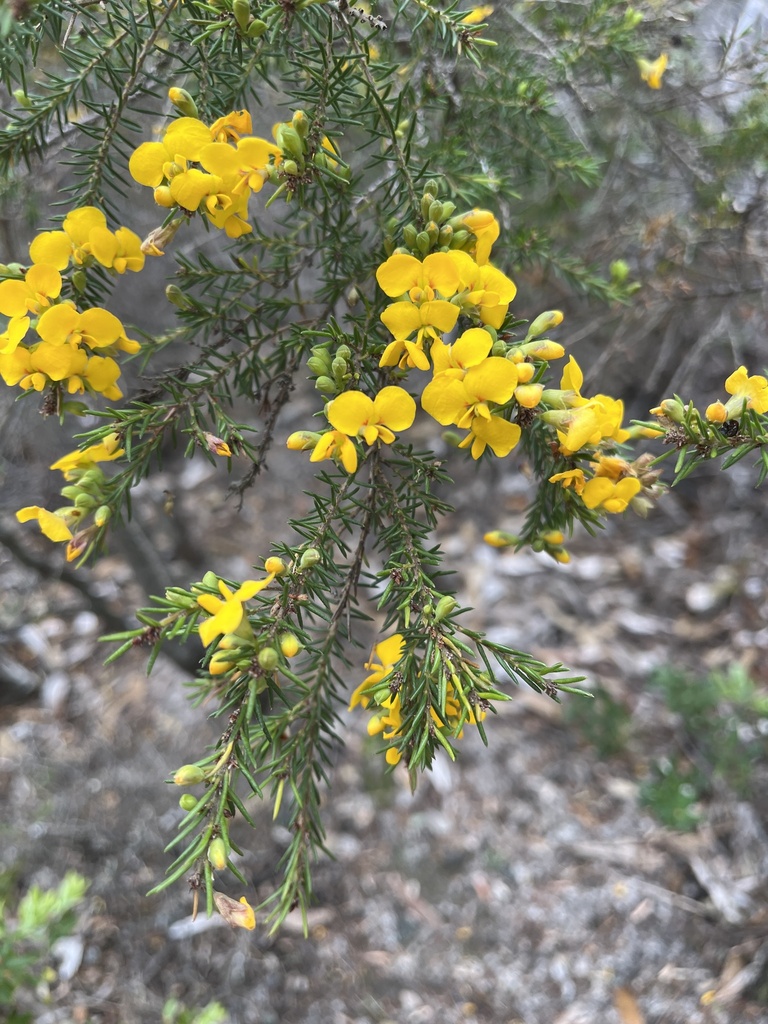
{"type": "Point", "coordinates": [469, 349]}
{"type": "Point", "coordinates": [420, 280]}
{"type": "Point", "coordinates": [119, 250]}
{"type": "Point", "coordinates": [430, 319]}
{"type": "Point", "coordinates": [245, 165]}
{"type": "Point", "coordinates": [52, 525]}
{"type": "Point", "coordinates": [651, 71]}
{"type": "Point", "coordinates": [384, 657]}
{"type": "Point", "coordinates": [747, 392]}
{"type": "Point", "coordinates": [485, 228]}
{"type": "Point", "coordinates": [357, 415]}
{"type": "Point", "coordinates": [18, 299]}
{"type": "Point", "coordinates": [152, 162]}
{"type": "Point", "coordinates": [103, 451]}
{"type": "Point", "coordinates": [602, 492]}
{"type": "Point", "coordinates": [227, 612]}
{"type": "Point", "coordinates": [570, 478]}
{"type": "Point", "coordinates": [484, 288]}
{"type": "Point", "coordinates": [232, 126]}
{"type": "Point", "coordinates": [477, 15]}
{"type": "Point", "coordinates": [72, 242]}
{"type": "Point", "coordinates": [334, 444]}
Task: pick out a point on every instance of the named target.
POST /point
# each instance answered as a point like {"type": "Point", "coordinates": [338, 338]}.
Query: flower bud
{"type": "Point", "coordinates": [409, 236]}
{"type": "Point", "coordinates": [189, 775]}
{"type": "Point", "coordinates": [22, 99]}
{"type": "Point", "coordinates": [217, 853]}
{"type": "Point", "coordinates": [242, 12]}
{"type": "Point", "coordinates": [289, 167]}
{"type": "Point", "coordinates": [257, 28]}
{"type": "Point", "coordinates": [529, 395]}
{"type": "Point", "coordinates": [525, 372]}
{"type": "Point", "coordinates": [102, 515]}
{"type": "Point", "coordinates": [268, 659]}
{"type": "Point", "coordinates": [79, 281]}
{"type": "Point", "coordinates": [543, 349]}
{"type": "Point", "coordinates": [176, 296]}
{"type": "Point", "coordinates": [446, 236]}
{"type": "Point", "coordinates": [619, 271]}
{"type": "Point", "coordinates": [300, 122]}
{"type": "Point", "coordinates": [426, 202]}
{"type": "Point", "coordinates": [289, 645]}
{"type": "Point", "coordinates": [672, 408]}
{"type": "Point", "coordinates": [343, 352]}
{"type": "Point", "coordinates": [433, 231]}
{"type": "Point", "coordinates": [275, 565]}
{"type": "Point", "coordinates": [309, 558]}
{"type": "Point", "coordinates": [500, 539]}
{"type": "Point", "coordinates": [320, 362]}
{"type": "Point", "coordinates": [444, 607]}
{"type": "Point", "coordinates": [303, 440]}
{"type": "Point", "coordinates": [423, 243]}
{"type": "Point", "coordinates": [187, 802]}
{"type": "Point", "coordinates": [183, 102]}
{"type": "Point", "coordinates": [339, 368]}
{"type": "Point", "coordinates": [715, 413]}
{"type": "Point", "coordinates": [211, 580]}
{"type": "Point", "coordinates": [289, 140]}
{"type": "Point", "coordinates": [326, 386]}
{"type": "Point", "coordinates": [544, 322]}
{"type": "Point", "coordinates": [435, 211]}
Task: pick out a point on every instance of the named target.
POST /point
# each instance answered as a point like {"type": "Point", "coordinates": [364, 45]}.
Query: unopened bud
{"type": "Point", "coordinates": [289, 140]}
{"type": "Point", "coordinates": [529, 395]}
{"type": "Point", "coordinates": [423, 243]}
{"type": "Point", "coordinates": [544, 322]}
{"type": "Point", "coordinates": [300, 122]}
{"type": "Point", "coordinates": [309, 558]}
{"type": "Point", "coordinates": [409, 236]}
{"type": "Point", "coordinates": [500, 539]}
{"type": "Point", "coordinates": [183, 102]}
{"type": "Point", "coordinates": [79, 281]}
{"type": "Point", "coordinates": [619, 271]}
{"type": "Point", "coordinates": [302, 440]}
{"type": "Point", "coordinates": [187, 802]}
{"type": "Point", "coordinates": [176, 296]}
{"type": "Point", "coordinates": [257, 28]}
{"type": "Point", "coordinates": [275, 565]}
{"type": "Point", "coordinates": [242, 12]}
{"type": "Point", "coordinates": [715, 413]}
{"type": "Point", "coordinates": [22, 99]}
{"type": "Point", "coordinates": [102, 515]}
{"type": "Point", "coordinates": [672, 408]}
{"type": "Point", "coordinates": [217, 853]}
{"type": "Point", "coordinates": [189, 775]}
{"type": "Point", "coordinates": [444, 607]}
{"type": "Point", "coordinates": [268, 659]}
{"type": "Point", "coordinates": [289, 645]}
{"type": "Point", "coordinates": [326, 386]}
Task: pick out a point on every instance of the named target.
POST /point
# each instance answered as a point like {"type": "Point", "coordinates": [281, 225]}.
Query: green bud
{"type": "Point", "coordinates": [619, 271]}
{"type": "Point", "coordinates": [460, 238]}
{"type": "Point", "coordinates": [85, 502]}
{"type": "Point", "coordinates": [426, 202]}
{"type": "Point", "coordinates": [242, 12]}
{"type": "Point", "coordinates": [257, 28]}
{"type": "Point", "coordinates": [289, 140]}
{"type": "Point", "coordinates": [433, 186]}
{"type": "Point", "coordinates": [180, 598]}
{"type": "Point", "coordinates": [217, 853]}
{"type": "Point", "coordinates": [289, 167]}
{"type": "Point", "coordinates": [211, 580]}
{"type": "Point", "coordinates": [79, 281]}
{"type": "Point", "coordinates": [187, 802]}
{"type": "Point", "coordinates": [423, 243]}
{"type": "Point", "coordinates": [189, 775]}
{"type": "Point", "coordinates": [344, 352]}
{"type": "Point", "coordinates": [339, 368]}
{"type": "Point", "coordinates": [22, 99]}
{"type": "Point", "coordinates": [268, 659]}
{"type": "Point", "coordinates": [433, 231]}
{"type": "Point", "coordinates": [445, 606]}
{"type": "Point", "coordinates": [326, 386]}
{"type": "Point", "coordinates": [446, 235]}
{"type": "Point", "coordinates": [176, 296]}
{"type": "Point", "coordinates": [70, 492]}
{"type": "Point", "coordinates": [449, 209]}
{"type": "Point", "coordinates": [318, 365]}
{"type": "Point", "coordinates": [15, 269]}
{"type": "Point", "coordinates": [309, 558]}
{"type": "Point", "coordinates": [409, 236]}
{"type": "Point", "coordinates": [499, 348]}
{"type": "Point", "coordinates": [102, 515]}
{"type": "Point", "coordinates": [300, 122]}
{"type": "Point", "coordinates": [544, 322]}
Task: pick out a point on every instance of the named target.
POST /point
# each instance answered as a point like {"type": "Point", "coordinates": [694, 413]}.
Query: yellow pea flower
{"type": "Point", "coordinates": [357, 415]}
{"type": "Point", "coordinates": [651, 71]}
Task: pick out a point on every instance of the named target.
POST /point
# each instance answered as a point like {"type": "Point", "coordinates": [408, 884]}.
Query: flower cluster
{"type": "Point", "coordinates": [381, 690]}
{"type": "Point", "coordinates": [214, 169]}
{"type": "Point", "coordinates": [87, 489]}
{"type": "Point", "coordinates": [48, 340]}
